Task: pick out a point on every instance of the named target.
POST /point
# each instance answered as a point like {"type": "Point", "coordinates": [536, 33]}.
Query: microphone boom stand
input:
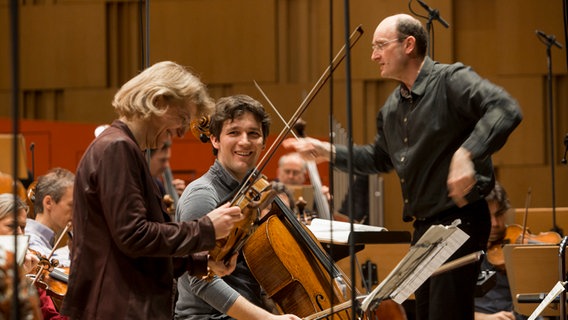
{"type": "Point", "coordinates": [549, 41]}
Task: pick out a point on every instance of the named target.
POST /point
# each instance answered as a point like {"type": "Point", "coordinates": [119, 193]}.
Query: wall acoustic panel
{"type": "Point", "coordinates": [519, 50]}
{"type": "Point", "coordinates": [63, 46]}
{"type": "Point", "coordinates": [225, 41]}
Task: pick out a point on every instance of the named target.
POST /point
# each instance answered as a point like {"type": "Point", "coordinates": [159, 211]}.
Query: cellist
{"type": "Point", "coordinates": [497, 303]}
{"type": "Point", "coordinates": [239, 127]}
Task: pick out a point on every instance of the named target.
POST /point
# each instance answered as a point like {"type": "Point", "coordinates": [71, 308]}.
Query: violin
{"type": "Point", "coordinates": [516, 234]}
{"type": "Point", "coordinates": [50, 277]}
{"type": "Point", "coordinates": [30, 199]}
{"type": "Point", "coordinates": [256, 198]}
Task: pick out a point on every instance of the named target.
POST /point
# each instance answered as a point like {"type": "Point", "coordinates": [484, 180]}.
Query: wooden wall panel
{"type": "Point", "coordinates": [98, 110]}
{"type": "Point", "coordinates": [518, 180]}
{"type": "Point", "coordinates": [5, 48]}
{"type": "Point", "coordinates": [63, 46]}
{"type": "Point", "coordinates": [222, 46]}
{"type": "Point", "coordinates": [476, 41]}
{"type": "Point", "coordinates": [528, 143]}
{"type": "Point", "coordinates": [5, 103]}
{"type": "Point", "coordinates": [519, 50]}
{"type": "Point", "coordinates": [369, 13]}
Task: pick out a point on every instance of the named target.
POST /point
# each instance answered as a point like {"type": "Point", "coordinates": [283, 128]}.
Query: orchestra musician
{"type": "Point", "coordinates": [292, 171]}
{"type": "Point", "coordinates": [159, 163]}
{"type": "Point", "coordinates": [7, 225]}
{"type": "Point", "coordinates": [438, 130]}
{"type": "Point", "coordinates": [497, 303]}
{"type": "Point", "coordinates": [53, 206]}
{"type": "Point", "coordinates": [126, 251]}
{"type": "Point", "coordinates": [238, 128]}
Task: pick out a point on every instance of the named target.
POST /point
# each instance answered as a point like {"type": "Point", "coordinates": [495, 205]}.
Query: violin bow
{"type": "Point", "coordinates": [527, 203]}
{"type": "Point", "coordinates": [312, 167]}
{"type": "Point", "coordinates": [52, 251]}
{"type": "Point", "coordinates": [355, 36]}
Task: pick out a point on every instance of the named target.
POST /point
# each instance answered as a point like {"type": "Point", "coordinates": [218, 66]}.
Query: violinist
{"type": "Point", "coordinates": [238, 128]}
{"type": "Point", "coordinates": [53, 205]}
{"type": "Point", "coordinates": [7, 224]}
{"type": "Point", "coordinates": [126, 251]}
{"type": "Point", "coordinates": [497, 303]}
{"type": "Point", "coordinates": [437, 130]}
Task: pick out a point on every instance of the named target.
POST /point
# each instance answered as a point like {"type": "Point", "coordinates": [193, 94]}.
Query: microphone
{"type": "Point", "coordinates": [434, 13]}
{"type": "Point", "coordinates": [549, 38]}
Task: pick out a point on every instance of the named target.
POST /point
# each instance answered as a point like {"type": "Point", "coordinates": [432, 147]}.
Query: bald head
{"type": "Point", "coordinates": [291, 169]}
{"type": "Point", "coordinates": [402, 26]}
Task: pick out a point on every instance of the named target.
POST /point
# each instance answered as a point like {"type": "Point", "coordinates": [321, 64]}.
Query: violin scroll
{"type": "Point", "coordinates": [200, 128]}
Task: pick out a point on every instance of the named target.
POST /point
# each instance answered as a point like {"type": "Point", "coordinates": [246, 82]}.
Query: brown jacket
{"type": "Point", "coordinates": [122, 265]}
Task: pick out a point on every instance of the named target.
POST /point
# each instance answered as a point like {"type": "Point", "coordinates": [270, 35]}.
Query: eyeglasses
{"type": "Point", "coordinates": [381, 45]}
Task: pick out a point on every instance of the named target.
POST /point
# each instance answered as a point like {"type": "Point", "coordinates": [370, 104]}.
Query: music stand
{"type": "Point", "coordinates": [531, 270]}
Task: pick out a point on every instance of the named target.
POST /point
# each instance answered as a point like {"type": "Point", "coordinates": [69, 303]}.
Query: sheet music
{"type": "Point", "coordinates": [326, 230]}
{"type": "Point", "coordinates": [426, 256]}
{"type": "Point", "coordinates": [556, 290]}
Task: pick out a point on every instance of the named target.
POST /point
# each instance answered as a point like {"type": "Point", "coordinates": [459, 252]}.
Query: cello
{"type": "Point", "coordinates": [297, 274]}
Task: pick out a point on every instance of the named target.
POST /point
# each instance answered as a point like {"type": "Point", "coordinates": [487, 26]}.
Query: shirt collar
{"type": "Point", "coordinates": [420, 83]}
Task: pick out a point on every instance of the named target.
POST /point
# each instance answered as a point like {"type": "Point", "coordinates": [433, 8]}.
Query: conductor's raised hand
{"type": "Point", "coordinates": [309, 148]}
{"type": "Point", "coordinates": [224, 219]}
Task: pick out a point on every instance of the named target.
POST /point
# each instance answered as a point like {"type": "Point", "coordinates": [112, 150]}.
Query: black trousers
{"type": "Point", "coordinates": [450, 295]}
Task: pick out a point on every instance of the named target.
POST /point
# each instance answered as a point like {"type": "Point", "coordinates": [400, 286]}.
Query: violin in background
{"type": "Point", "coordinates": [516, 234]}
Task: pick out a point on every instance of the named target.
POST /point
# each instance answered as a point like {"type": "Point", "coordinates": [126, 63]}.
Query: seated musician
{"type": "Point", "coordinates": [159, 162]}
{"type": "Point", "coordinates": [7, 225]}
{"type": "Point", "coordinates": [292, 170]}
{"type": "Point", "coordinates": [239, 128]}
{"type": "Point", "coordinates": [53, 205]}
{"type": "Point", "coordinates": [497, 303]}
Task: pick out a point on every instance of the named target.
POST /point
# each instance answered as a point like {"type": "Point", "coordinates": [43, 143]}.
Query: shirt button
{"type": "Point", "coordinates": [405, 140]}
{"type": "Point", "coordinates": [402, 158]}
{"type": "Point", "coordinates": [405, 119]}
{"type": "Point", "coordinates": [402, 180]}
{"type": "Point", "coordinates": [405, 200]}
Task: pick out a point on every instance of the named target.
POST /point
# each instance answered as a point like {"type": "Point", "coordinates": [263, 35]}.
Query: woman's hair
{"type": "Point", "coordinates": [232, 107]}
{"type": "Point", "coordinates": [7, 205]}
{"type": "Point", "coordinates": [54, 183]}
{"type": "Point", "coordinates": [167, 80]}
